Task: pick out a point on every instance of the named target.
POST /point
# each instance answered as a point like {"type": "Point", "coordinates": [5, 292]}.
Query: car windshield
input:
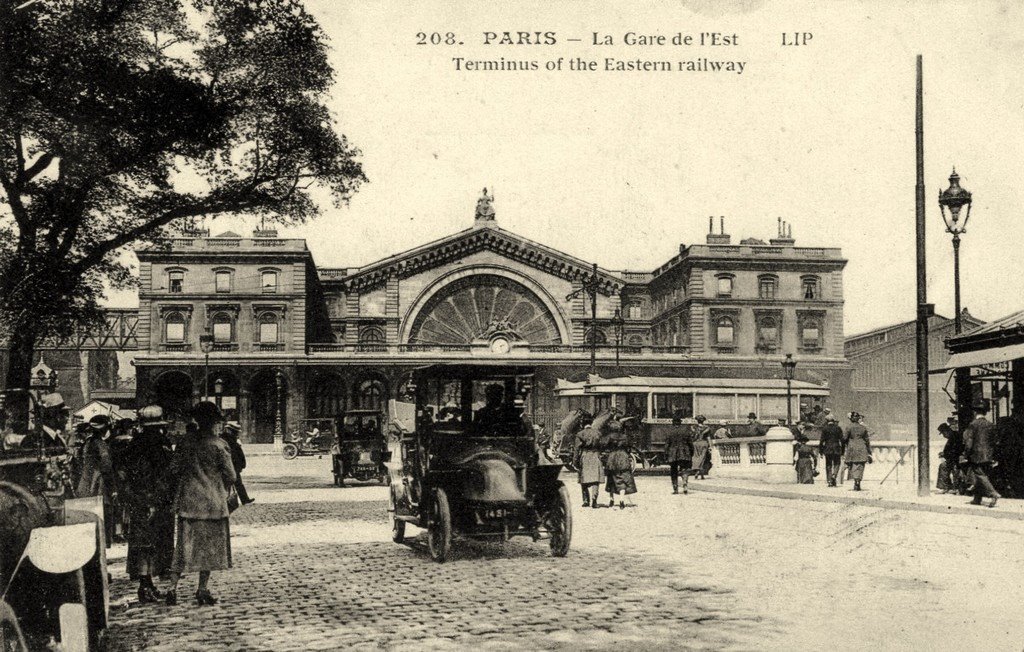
{"type": "Point", "coordinates": [475, 407]}
{"type": "Point", "coordinates": [361, 426]}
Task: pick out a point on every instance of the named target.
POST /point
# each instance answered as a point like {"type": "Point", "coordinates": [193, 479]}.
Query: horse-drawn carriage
{"type": "Point", "coordinates": [472, 467]}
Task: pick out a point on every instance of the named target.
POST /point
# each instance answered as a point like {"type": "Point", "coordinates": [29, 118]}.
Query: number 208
{"type": "Point", "coordinates": [436, 38]}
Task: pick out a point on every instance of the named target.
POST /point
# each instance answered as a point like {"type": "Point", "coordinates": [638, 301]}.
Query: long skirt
{"type": "Point", "coordinates": [805, 470]}
{"type": "Point", "coordinates": [620, 482]}
{"type": "Point", "coordinates": [150, 542]}
{"type": "Point", "coordinates": [591, 469]}
{"type": "Point", "coordinates": [856, 470]}
{"type": "Point", "coordinates": [701, 463]}
{"type": "Point", "coordinates": [202, 545]}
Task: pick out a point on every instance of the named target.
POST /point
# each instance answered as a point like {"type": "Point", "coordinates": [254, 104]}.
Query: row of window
{"type": "Point", "coordinates": [768, 287]}
{"type": "Point", "coordinates": [223, 281]}
{"type": "Point", "coordinates": [223, 328]}
{"type": "Point", "coordinates": [768, 333]}
{"type": "Point", "coordinates": [767, 290]}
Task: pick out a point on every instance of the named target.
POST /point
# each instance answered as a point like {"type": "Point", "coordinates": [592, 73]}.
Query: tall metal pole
{"type": "Point", "coordinates": [593, 321]}
{"type": "Point", "coordinates": [206, 378]}
{"type": "Point", "coordinates": [957, 323]}
{"type": "Point", "coordinates": [962, 375]}
{"type": "Point", "coordinates": [789, 401]}
{"type": "Point", "coordinates": [923, 309]}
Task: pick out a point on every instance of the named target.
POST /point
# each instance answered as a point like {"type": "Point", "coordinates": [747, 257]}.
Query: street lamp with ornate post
{"type": "Point", "coordinates": [788, 367]}
{"type": "Point", "coordinates": [278, 417]}
{"type": "Point", "coordinates": [206, 345]}
{"type": "Point", "coordinates": [952, 201]}
{"type": "Point", "coordinates": [618, 322]}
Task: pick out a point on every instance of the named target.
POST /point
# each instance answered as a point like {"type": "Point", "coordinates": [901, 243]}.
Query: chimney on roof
{"type": "Point", "coordinates": [785, 235]}
{"type": "Point", "coordinates": [720, 238]}
{"type": "Point", "coordinates": [264, 231]}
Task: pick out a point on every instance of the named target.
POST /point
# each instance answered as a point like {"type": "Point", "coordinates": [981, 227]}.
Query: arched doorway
{"type": "Point", "coordinates": [269, 402]}
{"type": "Point", "coordinates": [172, 391]}
{"type": "Point", "coordinates": [369, 393]}
{"type": "Point", "coordinates": [325, 396]}
{"type": "Point", "coordinates": [223, 388]}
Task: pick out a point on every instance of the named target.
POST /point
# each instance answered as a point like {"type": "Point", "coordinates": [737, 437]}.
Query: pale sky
{"type": "Point", "coordinates": [622, 168]}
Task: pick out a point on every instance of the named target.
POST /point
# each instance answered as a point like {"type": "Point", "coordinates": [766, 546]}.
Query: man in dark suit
{"type": "Point", "coordinates": [979, 442]}
{"type": "Point", "coordinates": [831, 446]}
{"type": "Point", "coordinates": [679, 452]}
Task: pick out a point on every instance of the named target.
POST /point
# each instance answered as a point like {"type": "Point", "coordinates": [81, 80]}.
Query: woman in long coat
{"type": "Point", "coordinates": [857, 443]}
{"type": "Point", "coordinates": [205, 472]}
{"type": "Point", "coordinates": [806, 460]}
{"type": "Point", "coordinates": [591, 471]}
{"type": "Point", "coordinates": [149, 486]}
{"type": "Point", "coordinates": [619, 465]}
{"type": "Point", "coordinates": [702, 448]}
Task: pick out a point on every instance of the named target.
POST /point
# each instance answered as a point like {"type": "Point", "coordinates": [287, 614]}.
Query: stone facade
{"type": "Point", "coordinates": [316, 341]}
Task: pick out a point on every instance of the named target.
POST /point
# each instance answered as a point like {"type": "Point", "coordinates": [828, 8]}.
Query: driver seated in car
{"type": "Point", "coordinates": [494, 410]}
{"type": "Point", "coordinates": [311, 436]}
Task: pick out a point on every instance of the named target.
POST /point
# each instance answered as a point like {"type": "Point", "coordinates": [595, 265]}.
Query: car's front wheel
{"type": "Point", "coordinates": [439, 527]}
{"type": "Point", "coordinates": [290, 451]}
{"type": "Point", "coordinates": [559, 524]}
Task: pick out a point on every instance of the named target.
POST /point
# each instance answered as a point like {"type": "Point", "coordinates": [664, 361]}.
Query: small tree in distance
{"type": "Point", "coordinates": [122, 120]}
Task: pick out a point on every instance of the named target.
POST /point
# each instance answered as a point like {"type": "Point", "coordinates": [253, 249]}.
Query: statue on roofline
{"type": "Point", "coordinates": [484, 209]}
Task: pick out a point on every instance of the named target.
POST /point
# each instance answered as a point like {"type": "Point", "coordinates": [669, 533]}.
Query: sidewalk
{"type": "Point", "coordinates": [889, 496]}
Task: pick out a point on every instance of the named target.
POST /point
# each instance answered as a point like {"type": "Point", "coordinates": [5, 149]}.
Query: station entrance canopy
{"type": "Point", "coordinates": [982, 357]}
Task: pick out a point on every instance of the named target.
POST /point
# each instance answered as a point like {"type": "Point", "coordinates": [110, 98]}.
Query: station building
{"type": "Point", "coordinates": [289, 340]}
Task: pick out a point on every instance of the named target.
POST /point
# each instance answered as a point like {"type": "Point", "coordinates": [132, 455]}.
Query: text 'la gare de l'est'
{"type": "Point", "coordinates": [627, 38]}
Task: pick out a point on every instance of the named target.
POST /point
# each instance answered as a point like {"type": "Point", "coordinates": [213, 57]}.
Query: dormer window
{"type": "Point", "coordinates": [223, 280]}
{"type": "Point", "coordinates": [176, 281]}
{"type": "Point", "coordinates": [810, 289]}
{"type": "Point", "coordinates": [268, 281]}
{"type": "Point", "coordinates": [725, 282]}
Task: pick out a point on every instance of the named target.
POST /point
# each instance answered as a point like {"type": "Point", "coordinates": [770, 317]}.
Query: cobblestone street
{"type": "Point", "coordinates": [315, 569]}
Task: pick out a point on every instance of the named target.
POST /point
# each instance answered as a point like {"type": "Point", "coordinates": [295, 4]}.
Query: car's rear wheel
{"type": "Point", "coordinates": [290, 451]}
{"type": "Point", "coordinates": [397, 525]}
{"type": "Point", "coordinates": [559, 524]}
{"type": "Point", "coordinates": [439, 527]}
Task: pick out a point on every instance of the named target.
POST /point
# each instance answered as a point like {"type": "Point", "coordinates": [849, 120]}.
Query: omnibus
{"type": "Point", "coordinates": [722, 401]}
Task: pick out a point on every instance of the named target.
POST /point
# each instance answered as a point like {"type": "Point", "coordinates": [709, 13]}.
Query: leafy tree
{"type": "Point", "coordinates": [122, 120]}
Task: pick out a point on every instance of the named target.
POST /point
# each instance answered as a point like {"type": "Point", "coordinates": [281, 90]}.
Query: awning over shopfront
{"type": "Point", "coordinates": [983, 357]}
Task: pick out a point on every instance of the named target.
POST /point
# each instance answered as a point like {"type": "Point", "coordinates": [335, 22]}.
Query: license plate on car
{"type": "Point", "coordinates": [494, 513]}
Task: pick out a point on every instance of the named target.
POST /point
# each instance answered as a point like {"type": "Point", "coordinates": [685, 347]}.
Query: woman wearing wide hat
{"type": "Point", "coordinates": [205, 472]}
{"type": "Point", "coordinates": [805, 460]}
{"type": "Point", "coordinates": [619, 465]}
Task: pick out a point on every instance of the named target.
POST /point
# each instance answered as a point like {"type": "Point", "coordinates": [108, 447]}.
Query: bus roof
{"type": "Point", "coordinates": [627, 384]}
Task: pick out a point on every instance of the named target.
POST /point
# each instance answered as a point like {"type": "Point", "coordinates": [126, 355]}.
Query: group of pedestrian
{"type": "Point", "coordinates": [177, 498]}
{"type": "Point", "coordinates": [602, 454]}
{"type": "Point", "coordinates": [969, 458]}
